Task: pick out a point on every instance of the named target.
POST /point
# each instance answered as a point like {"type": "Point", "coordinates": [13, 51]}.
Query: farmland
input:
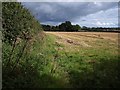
{"type": "Point", "coordinates": [76, 41]}
{"type": "Point", "coordinates": [33, 58]}
{"type": "Point", "coordinates": [83, 59]}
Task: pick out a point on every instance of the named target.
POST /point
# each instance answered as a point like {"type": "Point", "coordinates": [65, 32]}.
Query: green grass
{"type": "Point", "coordinates": [88, 67]}
{"type": "Point", "coordinates": [48, 67]}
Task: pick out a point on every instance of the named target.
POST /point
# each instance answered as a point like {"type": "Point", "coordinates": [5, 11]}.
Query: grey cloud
{"type": "Point", "coordinates": [61, 11]}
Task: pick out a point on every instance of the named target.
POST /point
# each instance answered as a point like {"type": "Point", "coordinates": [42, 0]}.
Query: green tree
{"type": "Point", "coordinates": [62, 27]}
{"type": "Point", "coordinates": [76, 27]}
{"type": "Point", "coordinates": [67, 26]}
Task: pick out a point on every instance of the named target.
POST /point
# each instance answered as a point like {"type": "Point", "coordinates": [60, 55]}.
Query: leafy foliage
{"type": "Point", "coordinates": [17, 22]}
{"type": "Point", "coordinates": [67, 26]}
{"type": "Point", "coordinates": [21, 32]}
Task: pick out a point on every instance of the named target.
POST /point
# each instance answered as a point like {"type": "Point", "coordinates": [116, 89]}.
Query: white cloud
{"type": "Point", "coordinates": [99, 23]}
{"type": "Point", "coordinates": [107, 18]}
{"type": "Point", "coordinates": [104, 23]}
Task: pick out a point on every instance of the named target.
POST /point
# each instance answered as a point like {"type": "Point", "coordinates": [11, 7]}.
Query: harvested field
{"type": "Point", "coordinates": [86, 39]}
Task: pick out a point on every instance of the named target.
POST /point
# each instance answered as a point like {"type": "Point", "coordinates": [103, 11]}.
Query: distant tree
{"type": "Point", "coordinates": [84, 27]}
{"type": "Point", "coordinates": [76, 27]}
{"type": "Point", "coordinates": [62, 27]}
{"type": "Point", "coordinates": [53, 28]}
{"type": "Point", "coordinates": [57, 28]}
{"type": "Point", "coordinates": [46, 27]}
{"type": "Point", "coordinates": [68, 26]}
{"type": "Point", "coordinates": [65, 26]}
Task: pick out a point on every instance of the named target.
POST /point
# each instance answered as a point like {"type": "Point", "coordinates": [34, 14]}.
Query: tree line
{"type": "Point", "coordinates": [100, 29]}
{"type": "Point", "coordinates": [68, 27]}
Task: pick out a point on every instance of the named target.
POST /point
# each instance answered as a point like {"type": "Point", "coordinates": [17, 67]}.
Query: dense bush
{"type": "Point", "coordinates": [17, 22]}
{"type": "Point", "coordinates": [21, 31]}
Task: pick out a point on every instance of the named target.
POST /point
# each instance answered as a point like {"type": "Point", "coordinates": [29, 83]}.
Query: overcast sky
{"type": "Point", "coordinates": [91, 14]}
